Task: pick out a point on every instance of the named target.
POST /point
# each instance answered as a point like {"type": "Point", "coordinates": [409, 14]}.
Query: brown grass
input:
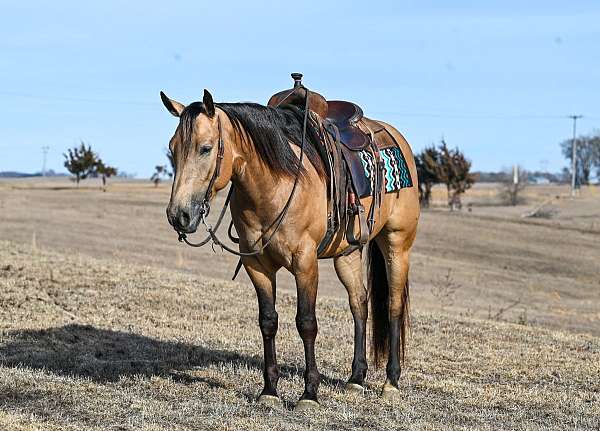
{"type": "Point", "coordinates": [496, 257]}
{"type": "Point", "coordinates": [90, 344]}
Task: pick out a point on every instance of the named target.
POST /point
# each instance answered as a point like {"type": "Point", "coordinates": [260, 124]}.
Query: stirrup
{"type": "Point", "coordinates": [357, 211]}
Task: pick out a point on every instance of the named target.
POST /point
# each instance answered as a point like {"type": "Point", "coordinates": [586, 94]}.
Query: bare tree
{"type": "Point", "coordinates": [514, 181]}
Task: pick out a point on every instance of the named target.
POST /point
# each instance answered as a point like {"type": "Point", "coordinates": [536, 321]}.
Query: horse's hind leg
{"type": "Point", "coordinates": [391, 254]}
{"type": "Point", "coordinates": [264, 283]}
{"type": "Point", "coordinates": [397, 270]}
{"type": "Point", "coordinates": [349, 271]}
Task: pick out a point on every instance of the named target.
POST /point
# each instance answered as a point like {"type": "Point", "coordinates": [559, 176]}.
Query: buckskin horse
{"type": "Point", "coordinates": [282, 200]}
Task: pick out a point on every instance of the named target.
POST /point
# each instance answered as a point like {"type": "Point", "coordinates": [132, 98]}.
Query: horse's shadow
{"type": "Point", "coordinates": [104, 355]}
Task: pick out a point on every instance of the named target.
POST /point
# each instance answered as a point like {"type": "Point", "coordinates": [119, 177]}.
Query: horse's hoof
{"type": "Point", "coordinates": [269, 400]}
{"type": "Point", "coordinates": [389, 391]}
{"type": "Point", "coordinates": [304, 405]}
{"type": "Point", "coordinates": [354, 388]}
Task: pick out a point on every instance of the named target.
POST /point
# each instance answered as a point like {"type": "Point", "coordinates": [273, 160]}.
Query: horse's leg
{"type": "Point", "coordinates": [264, 283]}
{"type": "Point", "coordinates": [306, 273]}
{"type": "Point", "coordinates": [349, 271]}
{"type": "Point", "coordinates": [393, 247]}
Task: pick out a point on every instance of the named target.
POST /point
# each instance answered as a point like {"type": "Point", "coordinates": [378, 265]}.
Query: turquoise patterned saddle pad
{"type": "Point", "coordinates": [395, 170]}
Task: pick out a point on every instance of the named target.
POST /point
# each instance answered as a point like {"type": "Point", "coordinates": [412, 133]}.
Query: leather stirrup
{"type": "Point", "coordinates": [362, 223]}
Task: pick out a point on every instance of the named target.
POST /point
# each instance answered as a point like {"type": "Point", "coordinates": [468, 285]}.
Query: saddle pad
{"type": "Point", "coordinates": [395, 171]}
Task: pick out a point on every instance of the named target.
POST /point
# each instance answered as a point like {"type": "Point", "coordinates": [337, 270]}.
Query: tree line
{"type": "Point", "coordinates": [443, 165]}
{"type": "Point", "coordinates": [435, 165]}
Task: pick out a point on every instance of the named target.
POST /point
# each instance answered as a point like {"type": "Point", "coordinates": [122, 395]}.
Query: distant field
{"type": "Point", "coordinates": [103, 344]}
{"type": "Point", "coordinates": [488, 262]}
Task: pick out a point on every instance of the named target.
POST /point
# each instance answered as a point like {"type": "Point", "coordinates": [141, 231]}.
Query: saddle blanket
{"type": "Point", "coordinates": [395, 171]}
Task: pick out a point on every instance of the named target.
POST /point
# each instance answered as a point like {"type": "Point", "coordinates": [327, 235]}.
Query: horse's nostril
{"type": "Point", "coordinates": [184, 218]}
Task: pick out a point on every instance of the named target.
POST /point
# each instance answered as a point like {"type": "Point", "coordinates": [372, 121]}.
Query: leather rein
{"type": "Point", "coordinates": [205, 205]}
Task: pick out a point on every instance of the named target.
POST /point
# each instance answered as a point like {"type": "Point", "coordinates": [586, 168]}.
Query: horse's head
{"type": "Point", "coordinates": [194, 148]}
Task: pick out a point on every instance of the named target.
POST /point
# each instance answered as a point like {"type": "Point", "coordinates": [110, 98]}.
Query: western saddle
{"type": "Point", "coordinates": [345, 133]}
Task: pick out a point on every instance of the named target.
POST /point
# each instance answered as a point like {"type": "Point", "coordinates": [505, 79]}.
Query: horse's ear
{"type": "Point", "coordinates": [209, 105]}
{"type": "Point", "coordinates": [172, 106]}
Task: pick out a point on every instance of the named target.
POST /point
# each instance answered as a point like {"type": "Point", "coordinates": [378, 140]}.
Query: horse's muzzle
{"type": "Point", "coordinates": [184, 219]}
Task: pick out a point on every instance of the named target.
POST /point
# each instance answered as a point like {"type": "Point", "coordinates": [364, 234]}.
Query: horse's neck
{"type": "Point", "coordinates": [252, 177]}
{"type": "Point", "coordinates": [256, 186]}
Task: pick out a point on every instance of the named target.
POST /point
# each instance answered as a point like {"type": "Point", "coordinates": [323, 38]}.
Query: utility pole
{"type": "Point", "coordinates": [45, 149]}
{"type": "Point", "coordinates": [574, 154]}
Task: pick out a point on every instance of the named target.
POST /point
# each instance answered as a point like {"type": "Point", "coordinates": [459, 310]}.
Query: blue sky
{"type": "Point", "coordinates": [496, 79]}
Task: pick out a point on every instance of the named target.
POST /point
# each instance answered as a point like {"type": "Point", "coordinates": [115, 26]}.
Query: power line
{"type": "Point", "coordinates": [472, 116]}
{"type": "Point", "coordinates": [78, 99]}
{"type": "Point", "coordinates": [450, 115]}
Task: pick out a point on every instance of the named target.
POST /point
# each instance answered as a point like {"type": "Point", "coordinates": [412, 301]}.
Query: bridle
{"type": "Point", "coordinates": [205, 204]}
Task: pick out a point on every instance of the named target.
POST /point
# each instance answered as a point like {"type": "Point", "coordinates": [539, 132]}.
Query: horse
{"type": "Point", "coordinates": [258, 149]}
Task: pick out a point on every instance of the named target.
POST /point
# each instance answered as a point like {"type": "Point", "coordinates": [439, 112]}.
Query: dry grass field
{"type": "Point", "coordinates": [488, 262]}
{"type": "Point", "coordinates": [93, 344]}
{"type": "Point", "coordinates": [107, 323]}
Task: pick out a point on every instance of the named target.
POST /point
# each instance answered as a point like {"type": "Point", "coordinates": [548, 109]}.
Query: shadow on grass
{"type": "Point", "coordinates": [105, 356]}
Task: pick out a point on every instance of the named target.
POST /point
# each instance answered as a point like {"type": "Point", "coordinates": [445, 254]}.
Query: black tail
{"type": "Point", "coordinates": [380, 299]}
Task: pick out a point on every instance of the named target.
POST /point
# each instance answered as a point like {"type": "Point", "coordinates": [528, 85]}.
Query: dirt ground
{"type": "Point", "coordinates": [105, 344]}
{"type": "Point", "coordinates": [484, 262]}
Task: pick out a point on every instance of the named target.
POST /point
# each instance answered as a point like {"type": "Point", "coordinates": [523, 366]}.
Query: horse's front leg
{"type": "Point", "coordinates": [306, 273]}
{"type": "Point", "coordinates": [264, 282]}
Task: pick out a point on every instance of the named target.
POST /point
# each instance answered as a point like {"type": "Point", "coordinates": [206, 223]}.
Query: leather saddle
{"type": "Point", "coordinates": [348, 136]}
{"type": "Point", "coordinates": [345, 116]}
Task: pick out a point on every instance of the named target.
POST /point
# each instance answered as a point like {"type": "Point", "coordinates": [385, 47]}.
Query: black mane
{"type": "Point", "coordinates": [270, 129]}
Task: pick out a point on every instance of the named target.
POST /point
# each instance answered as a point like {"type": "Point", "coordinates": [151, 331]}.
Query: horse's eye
{"type": "Point", "coordinates": [205, 149]}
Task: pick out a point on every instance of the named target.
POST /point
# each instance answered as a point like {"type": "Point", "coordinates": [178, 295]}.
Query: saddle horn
{"type": "Point", "coordinates": [297, 96]}
{"type": "Point", "coordinates": [297, 77]}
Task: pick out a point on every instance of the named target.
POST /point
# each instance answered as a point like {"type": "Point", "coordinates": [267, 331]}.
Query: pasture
{"type": "Point", "coordinates": [475, 263]}
{"type": "Point", "coordinates": [107, 322]}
